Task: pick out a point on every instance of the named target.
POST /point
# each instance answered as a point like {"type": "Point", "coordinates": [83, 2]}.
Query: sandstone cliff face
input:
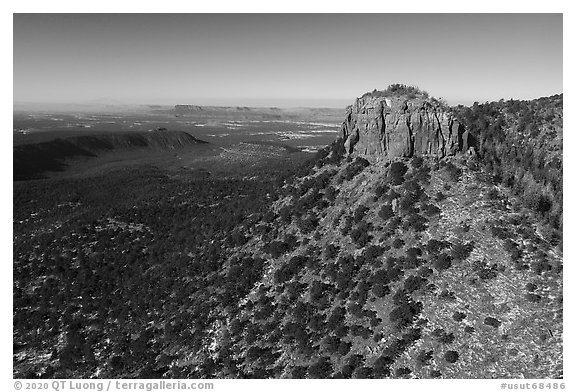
{"type": "Point", "coordinates": [388, 127]}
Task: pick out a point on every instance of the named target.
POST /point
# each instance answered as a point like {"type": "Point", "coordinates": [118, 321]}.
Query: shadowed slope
{"type": "Point", "coordinates": [31, 160]}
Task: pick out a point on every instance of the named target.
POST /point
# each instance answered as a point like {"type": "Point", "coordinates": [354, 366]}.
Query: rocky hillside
{"type": "Point", "coordinates": [31, 160]}
{"type": "Point", "coordinates": [378, 265]}
{"type": "Point", "coordinates": [521, 146]}
{"type": "Point", "coordinates": [377, 259]}
{"type": "Point", "coordinates": [412, 269]}
{"type": "Point", "coordinates": [395, 123]}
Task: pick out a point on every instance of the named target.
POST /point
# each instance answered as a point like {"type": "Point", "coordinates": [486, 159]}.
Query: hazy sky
{"type": "Point", "coordinates": [283, 59]}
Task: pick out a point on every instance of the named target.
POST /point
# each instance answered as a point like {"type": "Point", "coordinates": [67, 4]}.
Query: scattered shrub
{"type": "Point", "coordinates": [360, 235]}
{"type": "Point", "coordinates": [355, 361]}
{"type": "Point", "coordinates": [362, 372]}
{"type": "Point", "coordinates": [277, 248]}
{"type": "Point", "coordinates": [336, 318]}
{"type": "Point", "coordinates": [491, 321]}
{"type": "Point", "coordinates": [435, 246]}
{"type": "Point", "coordinates": [396, 173]}
{"type": "Point", "coordinates": [359, 330]}
{"type": "Point", "coordinates": [442, 262]}
{"type": "Point", "coordinates": [372, 253]}
{"type": "Point", "coordinates": [447, 338]}
{"type": "Point", "coordinates": [424, 357]}
{"type": "Point", "coordinates": [413, 283]}
{"type": "Point", "coordinates": [355, 168]}
{"type": "Point", "coordinates": [413, 252]}
{"type": "Point", "coordinates": [380, 190]}
{"type": "Point", "coordinates": [454, 172]}
{"type": "Point", "coordinates": [344, 348]}
{"type": "Point", "coordinates": [417, 162]}
{"type": "Point", "coordinates": [316, 322]}
{"type": "Point", "coordinates": [380, 290]}
{"type": "Point", "coordinates": [493, 194]}
{"type": "Point", "coordinates": [407, 202]}
{"type": "Point", "coordinates": [469, 329]}
{"type": "Point", "coordinates": [461, 251]}
{"type": "Point", "coordinates": [289, 269]}
{"type": "Point", "coordinates": [540, 266]}
{"type": "Point", "coordinates": [299, 372]}
{"type": "Point", "coordinates": [330, 193]}
{"type": "Point", "coordinates": [393, 224]}
{"type": "Point", "coordinates": [459, 316]}
{"type": "Point", "coordinates": [512, 248]}
{"type": "Point", "coordinates": [374, 322]}
{"type": "Point", "coordinates": [308, 224]}
{"type": "Point", "coordinates": [392, 195]}
{"type": "Point", "coordinates": [398, 243]}
{"type": "Point", "coordinates": [501, 233]}
{"type": "Point", "coordinates": [442, 336]}
{"type": "Point", "coordinates": [415, 222]}
{"type": "Point", "coordinates": [331, 251]}
{"type": "Point", "coordinates": [331, 344]}
{"type": "Point", "coordinates": [431, 210]}
{"type": "Point", "coordinates": [485, 271]}
{"type": "Point", "coordinates": [425, 271]}
{"type": "Point", "coordinates": [404, 314]}
{"type": "Point", "coordinates": [386, 212]}
{"type": "Point", "coordinates": [403, 371]}
{"type": "Point", "coordinates": [531, 297]}
{"type": "Point", "coordinates": [347, 225]}
{"type": "Point", "coordinates": [382, 366]}
{"type": "Point", "coordinates": [321, 369]}
{"type": "Point", "coordinates": [447, 294]}
{"type": "Point", "coordinates": [451, 356]}
{"type": "Point", "coordinates": [360, 212]}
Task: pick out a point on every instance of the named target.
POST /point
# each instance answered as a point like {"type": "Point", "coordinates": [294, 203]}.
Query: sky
{"type": "Point", "coordinates": [282, 59]}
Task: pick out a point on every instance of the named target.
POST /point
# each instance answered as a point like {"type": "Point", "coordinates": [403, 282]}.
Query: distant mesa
{"type": "Point", "coordinates": [185, 109]}
{"type": "Point", "coordinates": [232, 112]}
{"type": "Point", "coordinates": [402, 121]}
{"type": "Point", "coordinates": [32, 160]}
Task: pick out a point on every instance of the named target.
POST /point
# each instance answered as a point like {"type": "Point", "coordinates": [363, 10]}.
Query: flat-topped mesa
{"type": "Point", "coordinates": [383, 125]}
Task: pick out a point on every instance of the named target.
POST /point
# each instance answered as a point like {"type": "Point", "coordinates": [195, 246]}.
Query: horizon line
{"type": "Point", "coordinates": [241, 102]}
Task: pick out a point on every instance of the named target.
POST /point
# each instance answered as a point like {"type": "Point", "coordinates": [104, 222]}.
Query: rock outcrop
{"type": "Point", "coordinates": [385, 127]}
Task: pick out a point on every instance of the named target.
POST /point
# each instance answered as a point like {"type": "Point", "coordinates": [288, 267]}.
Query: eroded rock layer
{"type": "Point", "coordinates": [389, 127]}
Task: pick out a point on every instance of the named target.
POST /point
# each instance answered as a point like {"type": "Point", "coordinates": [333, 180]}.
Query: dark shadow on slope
{"type": "Point", "coordinates": [31, 161]}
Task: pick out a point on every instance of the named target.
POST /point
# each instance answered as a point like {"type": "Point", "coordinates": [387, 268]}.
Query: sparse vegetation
{"type": "Point", "coordinates": [409, 92]}
{"type": "Point", "coordinates": [334, 269]}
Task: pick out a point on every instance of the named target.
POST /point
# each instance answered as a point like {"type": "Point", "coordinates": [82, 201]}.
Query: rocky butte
{"type": "Point", "coordinates": [402, 122]}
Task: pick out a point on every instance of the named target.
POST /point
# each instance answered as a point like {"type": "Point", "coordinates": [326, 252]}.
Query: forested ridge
{"type": "Point", "coordinates": [520, 144]}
